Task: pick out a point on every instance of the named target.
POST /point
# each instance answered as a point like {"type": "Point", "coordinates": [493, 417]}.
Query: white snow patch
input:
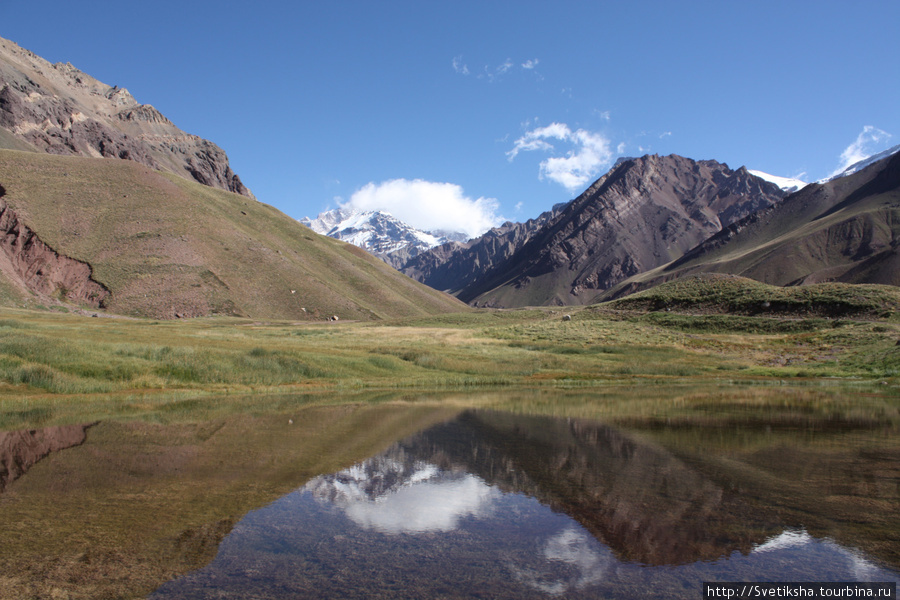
{"type": "Point", "coordinates": [788, 184]}
{"type": "Point", "coordinates": [376, 231]}
{"type": "Point", "coordinates": [862, 164]}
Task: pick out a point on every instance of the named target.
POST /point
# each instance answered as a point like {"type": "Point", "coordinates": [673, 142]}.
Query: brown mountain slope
{"type": "Point", "coordinates": [643, 213]}
{"type": "Point", "coordinates": [163, 246]}
{"type": "Point", "coordinates": [455, 265]}
{"type": "Point", "coordinates": [60, 110]}
{"type": "Point", "coordinates": [846, 230]}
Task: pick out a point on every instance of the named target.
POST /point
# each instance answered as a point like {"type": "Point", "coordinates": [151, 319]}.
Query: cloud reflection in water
{"type": "Point", "coordinates": [392, 497]}
{"type": "Point", "coordinates": [395, 495]}
{"type": "Point", "coordinates": [571, 548]}
{"type": "Point", "coordinates": [515, 507]}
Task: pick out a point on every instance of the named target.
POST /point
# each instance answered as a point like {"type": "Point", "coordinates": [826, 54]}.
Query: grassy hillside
{"type": "Point", "coordinates": [729, 294]}
{"type": "Point", "coordinates": [168, 247]}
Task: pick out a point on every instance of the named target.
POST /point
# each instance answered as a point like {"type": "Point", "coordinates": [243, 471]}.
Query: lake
{"type": "Point", "coordinates": [438, 500]}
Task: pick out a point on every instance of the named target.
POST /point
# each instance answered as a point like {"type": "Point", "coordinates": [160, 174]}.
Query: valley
{"type": "Point", "coordinates": [686, 372]}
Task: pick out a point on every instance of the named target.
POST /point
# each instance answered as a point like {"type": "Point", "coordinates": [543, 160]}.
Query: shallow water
{"type": "Point", "coordinates": [428, 500]}
{"type": "Point", "coordinates": [493, 505]}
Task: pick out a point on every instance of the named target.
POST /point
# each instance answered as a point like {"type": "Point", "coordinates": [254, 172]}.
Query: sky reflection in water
{"type": "Point", "coordinates": [497, 506]}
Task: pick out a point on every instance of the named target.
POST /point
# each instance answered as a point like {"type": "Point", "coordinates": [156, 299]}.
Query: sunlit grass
{"type": "Point", "coordinates": [65, 355]}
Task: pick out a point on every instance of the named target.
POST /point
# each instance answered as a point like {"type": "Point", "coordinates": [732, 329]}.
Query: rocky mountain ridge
{"type": "Point", "coordinates": [378, 232]}
{"type": "Point", "coordinates": [454, 265]}
{"type": "Point", "coordinates": [643, 213]}
{"type": "Point", "coordinates": [58, 109]}
{"type": "Point", "coordinates": [845, 230]}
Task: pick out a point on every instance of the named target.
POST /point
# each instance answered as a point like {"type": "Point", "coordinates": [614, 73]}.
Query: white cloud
{"type": "Point", "coordinates": [589, 153]}
{"type": "Point", "coordinates": [867, 143]}
{"type": "Point", "coordinates": [620, 149]}
{"type": "Point", "coordinates": [665, 134]}
{"type": "Point", "coordinates": [494, 73]}
{"type": "Point", "coordinates": [459, 66]}
{"type": "Point", "coordinates": [535, 139]}
{"type": "Point", "coordinates": [429, 205]}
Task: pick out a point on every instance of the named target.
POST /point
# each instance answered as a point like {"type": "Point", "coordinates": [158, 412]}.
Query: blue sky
{"type": "Point", "coordinates": [465, 113]}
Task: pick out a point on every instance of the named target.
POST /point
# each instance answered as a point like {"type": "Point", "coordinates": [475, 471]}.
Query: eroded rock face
{"type": "Point", "coordinates": [60, 110]}
{"type": "Point", "coordinates": [453, 266]}
{"type": "Point", "coordinates": [845, 230]}
{"type": "Point", "coordinates": [642, 214]}
{"type": "Point", "coordinates": [20, 450]}
{"type": "Point", "coordinates": [31, 263]}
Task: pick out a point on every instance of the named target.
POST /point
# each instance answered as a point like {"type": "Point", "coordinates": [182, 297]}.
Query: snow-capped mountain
{"type": "Point", "coordinates": [860, 165]}
{"type": "Point", "coordinates": [379, 233]}
{"type": "Point", "coordinates": [787, 184]}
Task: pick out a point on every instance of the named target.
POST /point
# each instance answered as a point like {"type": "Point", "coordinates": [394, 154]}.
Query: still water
{"type": "Point", "coordinates": [471, 504]}
{"type": "Point", "coordinates": [491, 505]}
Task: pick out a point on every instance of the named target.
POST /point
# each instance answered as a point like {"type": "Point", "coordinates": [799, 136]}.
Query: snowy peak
{"type": "Point", "coordinates": [378, 232]}
{"type": "Point", "coordinates": [859, 166]}
{"type": "Point", "coordinates": [787, 184]}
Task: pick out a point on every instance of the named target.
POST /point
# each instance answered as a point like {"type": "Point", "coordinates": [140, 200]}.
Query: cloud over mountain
{"type": "Point", "coordinates": [429, 205]}
{"type": "Point", "coordinates": [588, 154]}
{"type": "Point", "coordinates": [866, 144]}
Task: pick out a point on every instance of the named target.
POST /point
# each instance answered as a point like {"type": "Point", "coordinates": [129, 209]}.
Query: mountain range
{"type": "Point", "coordinates": [379, 233]}
{"type": "Point", "coordinates": [643, 213]}
{"type": "Point", "coordinates": [846, 229]}
{"type": "Point", "coordinates": [107, 205]}
{"type": "Point", "coordinates": [653, 219]}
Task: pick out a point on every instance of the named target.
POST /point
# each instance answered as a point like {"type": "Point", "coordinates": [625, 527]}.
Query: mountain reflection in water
{"type": "Point", "coordinates": [497, 505]}
{"type": "Point", "coordinates": [393, 495]}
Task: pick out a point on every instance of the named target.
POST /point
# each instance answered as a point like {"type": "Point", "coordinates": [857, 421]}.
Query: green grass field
{"type": "Point", "coordinates": [50, 360]}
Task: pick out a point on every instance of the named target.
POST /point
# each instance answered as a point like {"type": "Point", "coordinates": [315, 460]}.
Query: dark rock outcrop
{"type": "Point", "coordinates": [60, 110]}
